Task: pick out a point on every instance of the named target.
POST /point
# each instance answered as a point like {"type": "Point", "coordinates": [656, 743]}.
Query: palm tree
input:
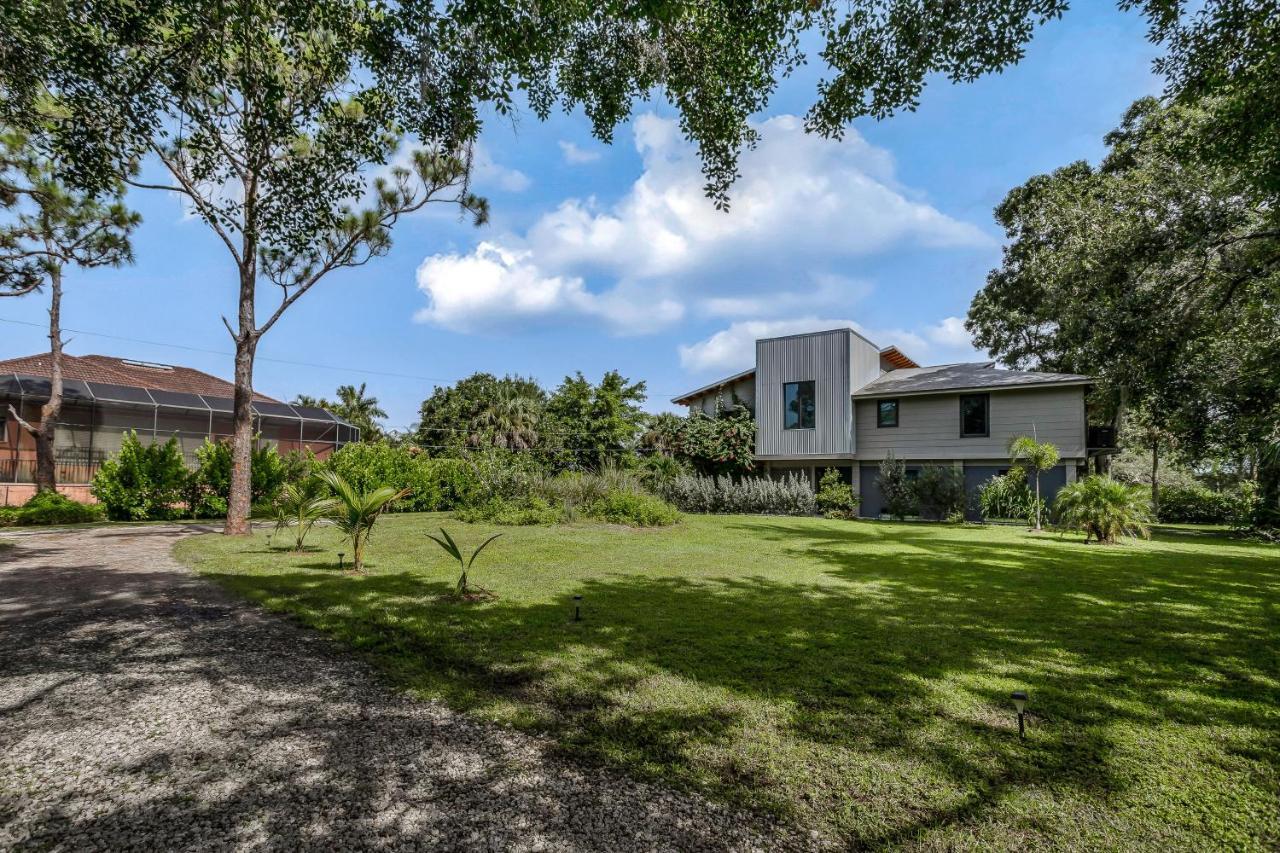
{"type": "Point", "coordinates": [359, 410]}
{"type": "Point", "coordinates": [452, 549]}
{"type": "Point", "coordinates": [510, 420]}
{"type": "Point", "coordinates": [300, 505]}
{"type": "Point", "coordinates": [354, 512]}
{"type": "Point", "coordinates": [1104, 508]}
{"type": "Point", "coordinates": [1039, 456]}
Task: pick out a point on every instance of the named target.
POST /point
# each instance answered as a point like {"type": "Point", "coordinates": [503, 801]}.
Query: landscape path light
{"type": "Point", "coordinates": [577, 608]}
{"type": "Point", "coordinates": [341, 554]}
{"type": "Point", "coordinates": [1020, 702]}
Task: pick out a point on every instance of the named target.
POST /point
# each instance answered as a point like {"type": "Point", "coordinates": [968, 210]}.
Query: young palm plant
{"type": "Point", "coordinates": [354, 512]}
{"type": "Point", "coordinates": [1036, 455]}
{"type": "Point", "coordinates": [299, 506]}
{"type": "Point", "coordinates": [454, 551]}
{"type": "Point", "coordinates": [1104, 509]}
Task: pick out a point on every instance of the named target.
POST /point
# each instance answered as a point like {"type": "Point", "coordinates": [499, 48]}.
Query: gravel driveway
{"type": "Point", "coordinates": [142, 708]}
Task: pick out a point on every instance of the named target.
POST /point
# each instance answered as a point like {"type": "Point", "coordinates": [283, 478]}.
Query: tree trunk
{"type": "Point", "coordinates": [46, 465]}
{"type": "Point", "coordinates": [1038, 499]}
{"type": "Point", "coordinates": [1155, 477]}
{"type": "Point", "coordinates": [238, 503]}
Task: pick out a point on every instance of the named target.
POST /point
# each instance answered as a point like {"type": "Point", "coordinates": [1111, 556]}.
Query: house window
{"type": "Point", "coordinates": [974, 409]}
{"type": "Point", "coordinates": [4, 428]}
{"type": "Point", "coordinates": [886, 413]}
{"type": "Point", "coordinates": [799, 405]}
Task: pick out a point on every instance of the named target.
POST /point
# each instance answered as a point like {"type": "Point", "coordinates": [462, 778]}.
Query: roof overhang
{"type": "Point", "coordinates": [897, 358]}
{"type": "Point", "coordinates": [870, 393]}
{"type": "Point", "coordinates": [686, 399]}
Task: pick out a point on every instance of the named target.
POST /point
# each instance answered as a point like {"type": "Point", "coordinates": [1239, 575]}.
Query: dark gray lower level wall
{"type": "Point", "coordinates": [872, 505]}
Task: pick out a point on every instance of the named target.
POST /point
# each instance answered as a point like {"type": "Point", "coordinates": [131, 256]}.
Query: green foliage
{"type": "Point", "coordinates": [1007, 496]}
{"type": "Point", "coordinates": [939, 492]}
{"type": "Point", "coordinates": [835, 498]}
{"type": "Point", "coordinates": [482, 411]}
{"type": "Point", "coordinates": [1026, 452]}
{"type": "Point", "coordinates": [353, 407]}
{"type": "Point", "coordinates": [899, 496]}
{"type": "Point", "coordinates": [452, 549]}
{"type": "Point", "coordinates": [51, 508]}
{"type": "Point", "coordinates": [598, 424]}
{"type": "Point", "coordinates": [512, 511]}
{"type": "Point", "coordinates": [1198, 504]}
{"type": "Point", "coordinates": [788, 495]}
{"type": "Point", "coordinates": [355, 511]}
{"type": "Point", "coordinates": [368, 466]}
{"type": "Point", "coordinates": [1103, 509]}
{"type": "Point", "coordinates": [632, 508]}
{"type": "Point", "coordinates": [299, 506]}
{"type": "Point", "coordinates": [1155, 272]}
{"type": "Point", "coordinates": [142, 481]}
{"type": "Point", "coordinates": [208, 487]}
{"type": "Point", "coordinates": [720, 445]}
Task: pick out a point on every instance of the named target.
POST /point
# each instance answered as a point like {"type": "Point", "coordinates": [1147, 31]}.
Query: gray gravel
{"type": "Point", "coordinates": [142, 708]}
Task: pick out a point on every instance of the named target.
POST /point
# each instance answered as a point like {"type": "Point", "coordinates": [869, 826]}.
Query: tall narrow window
{"type": "Point", "coordinates": [799, 405]}
{"type": "Point", "coordinates": [886, 413]}
{"type": "Point", "coordinates": [974, 409]}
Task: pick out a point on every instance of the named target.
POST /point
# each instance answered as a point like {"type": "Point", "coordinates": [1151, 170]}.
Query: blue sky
{"type": "Point", "coordinates": [601, 257]}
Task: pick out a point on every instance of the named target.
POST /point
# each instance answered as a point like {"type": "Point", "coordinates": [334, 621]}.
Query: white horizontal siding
{"type": "Point", "coordinates": [929, 425]}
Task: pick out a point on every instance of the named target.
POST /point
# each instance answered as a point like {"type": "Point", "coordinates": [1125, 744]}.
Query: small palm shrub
{"type": "Point", "coordinates": [1038, 456]}
{"type": "Point", "coordinates": [452, 549]}
{"type": "Point", "coordinates": [1104, 509]}
{"type": "Point", "coordinates": [354, 512]}
{"type": "Point", "coordinates": [835, 497]}
{"type": "Point", "coordinates": [142, 482]}
{"type": "Point", "coordinates": [299, 506]}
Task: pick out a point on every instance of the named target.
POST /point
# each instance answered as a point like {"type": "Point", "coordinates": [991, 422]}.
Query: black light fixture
{"type": "Point", "coordinates": [268, 541]}
{"type": "Point", "coordinates": [577, 608]}
{"type": "Point", "coordinates": [1020, 702]}
{"type": "Point", "coordinates": [341, 554]}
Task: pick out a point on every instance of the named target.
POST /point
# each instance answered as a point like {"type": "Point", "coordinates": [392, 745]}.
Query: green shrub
{"type": "Point", "coordinates": [1006, 496]}
{"type": "Point", "coordinates": [835, 498]}
{"type": "Point", "coordinates": [939, 492]}
{"type": "Point", "coordinates": [208, 488]}
{"type": "Point", "coordinates": [529, 509]}
{"type": "Point", "coordinates": [142, 481]}
{"type": "Point", "coordinates": [55, 508]}
{"type": "Point", "coordinates": [1201, 505]}
{"type": "Point", "coordinates": [369, 466]}
{"type": "Point", "coordinates": [8, 516]}
{"type": "Point", "coordinates": [635, 509]}
{"type": "Point", "coordinates": [898, 492]}
{"type": "Point", "coordinates": [789, 495]}
{"type": "Point", "coordinates": [1103, 509]}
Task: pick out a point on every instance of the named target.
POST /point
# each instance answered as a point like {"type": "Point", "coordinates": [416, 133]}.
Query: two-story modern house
{"type": "Point", "coordinates": [834, 399]}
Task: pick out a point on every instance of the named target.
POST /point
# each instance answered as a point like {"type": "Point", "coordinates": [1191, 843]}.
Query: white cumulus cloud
{"type": "Point", "coordinates": [575, 155]}
{"type": "Point", "coordinates": [804, 206]}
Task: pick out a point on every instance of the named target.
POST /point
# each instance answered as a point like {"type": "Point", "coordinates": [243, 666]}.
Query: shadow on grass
{"type": "Point", "coordinates": [909, 662]}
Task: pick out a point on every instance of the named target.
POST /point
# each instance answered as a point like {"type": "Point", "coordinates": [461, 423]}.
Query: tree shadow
{"type": "Point", "coordinates": [901, 655]}
{"type": "Point", "coordinates": [190, 719]}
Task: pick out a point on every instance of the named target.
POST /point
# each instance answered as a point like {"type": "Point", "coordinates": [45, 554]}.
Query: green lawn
{"type": "Point", "coordinates": [852, 677]}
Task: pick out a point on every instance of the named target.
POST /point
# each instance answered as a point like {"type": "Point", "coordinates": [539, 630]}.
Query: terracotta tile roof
{"type": "Point", "coordinates": [119, 371]}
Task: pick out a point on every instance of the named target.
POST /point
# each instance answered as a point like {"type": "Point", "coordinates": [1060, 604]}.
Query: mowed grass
{"type": "Point", "coordinates": [851, 677]}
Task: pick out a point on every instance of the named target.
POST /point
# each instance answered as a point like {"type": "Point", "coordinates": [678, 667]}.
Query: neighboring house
{"type": "Point", "coordinates": [835, 400]}
{"type": "Point", "coordinates": [104, 397]}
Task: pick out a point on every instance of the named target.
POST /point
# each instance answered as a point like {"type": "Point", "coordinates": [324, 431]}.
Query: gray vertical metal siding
{"type": "Point", "coordinates": [826, 359]}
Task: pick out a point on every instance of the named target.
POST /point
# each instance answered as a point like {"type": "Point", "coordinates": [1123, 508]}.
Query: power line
{"type": "Point", "coordinates": [358, 370]}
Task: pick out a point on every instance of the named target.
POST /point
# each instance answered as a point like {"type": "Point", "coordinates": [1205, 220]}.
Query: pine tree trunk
{"type": "Point", "coordinates": [46, 464]}
{"type": "Point", "coordinates": [238, 503]}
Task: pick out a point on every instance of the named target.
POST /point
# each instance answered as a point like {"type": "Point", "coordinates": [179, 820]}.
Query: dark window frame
{"type": "Point", "coordinates": [897, 413]}
{"type": "Point", "coordinates": [813, 395]}
{"type": "Point", "coordinates": [986, 416]}
{"type": "Point", "coordinates": [4, 426]}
